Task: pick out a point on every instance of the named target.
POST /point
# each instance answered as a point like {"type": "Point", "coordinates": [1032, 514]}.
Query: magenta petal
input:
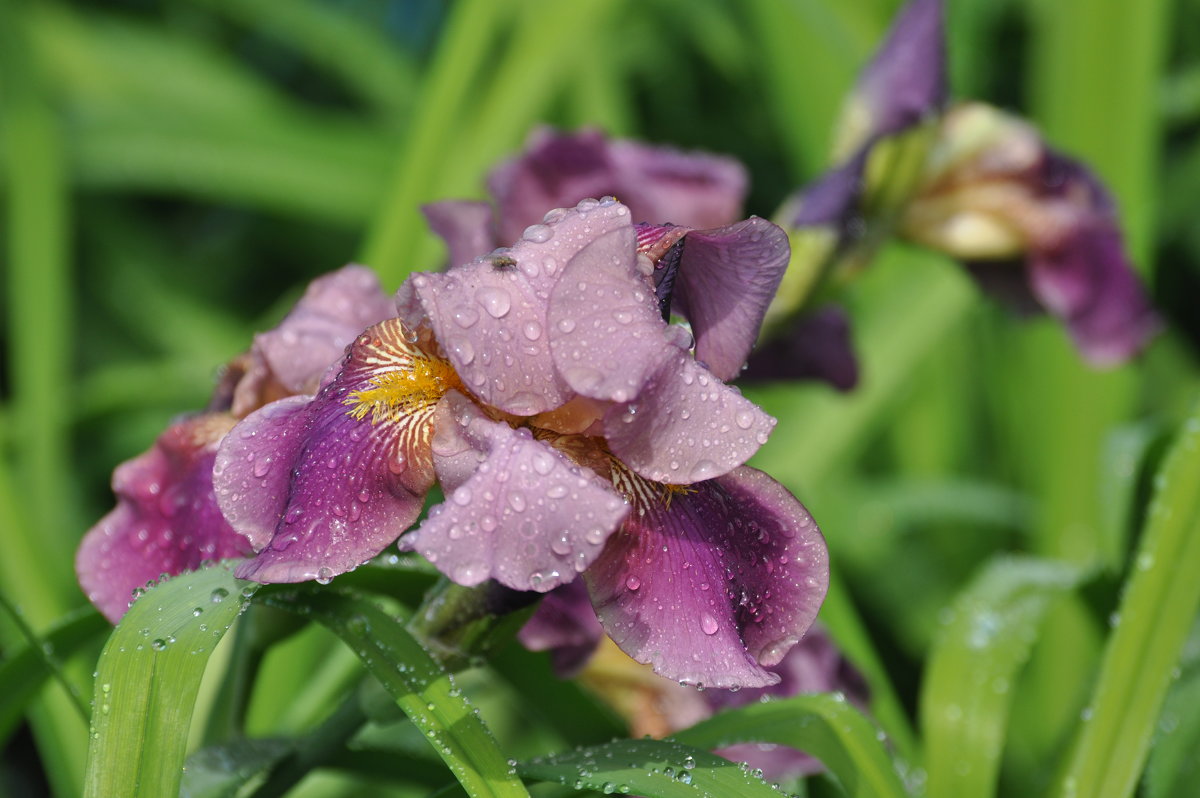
{"type": "Point", "coordinates": [565, 625]}
{"type": "Point", "coordinates": [490, 315]}
{"type": "Point", "coordinates": [686, 426]}
{"type": "Point", "coordinates": [466, 227]}
{"type": "Point", "coordinates": [715, 585]}
{"type": "Point", "coordinates": [527, 517]}
{"type": "Point", "coordinates": [166, 520]}
{"type": "Point", "coordinates": [318, 488]}
{"type": "Point", "coordinates": [727, 278]}
{"type": "Point", "coordinates": [334, 309]}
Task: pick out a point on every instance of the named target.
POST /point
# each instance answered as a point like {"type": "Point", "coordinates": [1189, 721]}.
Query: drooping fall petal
{"type": "Point", "coordinates": [166, 520]}
{"type": "Point", "coordinates": [714, 583]}
{"type": "Point", "coordinates": [322, 484]}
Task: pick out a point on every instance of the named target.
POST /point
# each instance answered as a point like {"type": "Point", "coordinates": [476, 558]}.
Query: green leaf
{"type": "Point", "coordinates": [968, 685]}
{"type": "Point", "coordinates": [147, 680]}
{"type": "Point", "coordinates": [823, 725]}
{"type": "Point", "coordinates": [1158, 606]}
{"type": "Point", "coordinates": [219, 771]}
{"type": "Point", "coordinates": [1174, 769]}
{"type": "Point", "coordinates": [421, 687]}
{"type": "Point", "coordinates": [650, 768]}
{"type": "Point", "coordinates": [24, 670]}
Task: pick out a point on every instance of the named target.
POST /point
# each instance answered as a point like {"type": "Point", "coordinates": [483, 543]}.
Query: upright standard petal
{"type": "Point", "coordinates": [727, 278]}
{"type": "Point", "coordinates": [292, 358]}
{"type": "Point", "coordinates": [166, 520]}
{"type": "Point", "coordinates": [525, 515]}
{"type": "Point", "coordinates": [490, 315]}
{"type": "Point", "coordinates": [714, 583]}
{"type": "Point", "coordinates": [672, 420]}
{"type": "Point", "coordinates": [323, 484]}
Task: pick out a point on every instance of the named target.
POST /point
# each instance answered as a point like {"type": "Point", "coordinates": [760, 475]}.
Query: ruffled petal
{"type": "Point", "coordinates": [166, 520]}
{"type": "Point", "coordinates": [323, 484]}
{"type": "Point", "coordinates": [466, 227]}
{"type": "Point", "coordinates": [727, 278]}
{"type": "Point", "coordinates": [490, 315]}
{"type": "Point", "coordinates": [686, 426]}
{"type": "Point", "coordinates": [526, 516]}
{"type": "Point", "coordinates": [292, 358]}
{"type": "Point", "coordinates": [714, 584]}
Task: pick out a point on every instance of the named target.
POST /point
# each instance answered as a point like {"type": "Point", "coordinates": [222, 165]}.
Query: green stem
{"type": "Point", "coordinates": [316, 748]}
{"type": "Point", "coordinates": [1160, 602]}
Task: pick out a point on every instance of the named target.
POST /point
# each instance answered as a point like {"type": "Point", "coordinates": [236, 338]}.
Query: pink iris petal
{"type": "Point", "coordinates": [673, 421]}
{"type": "Point", "coordinates": [490, 315]}
{"type": "Point", "coordinates": [715, 585]}
{"type": "Point", "coordinates": [314, 335]}
{"type": "Point", "coordinates": [525, 516]}
{"type": "Point", "coordinates": [727, 277]}
{"type": "Point", "coordinates": [166, 520]}
{"type": "Point", "coordinates": [323, 484]}
{"type": "Point", "coordinates": [465, 226]}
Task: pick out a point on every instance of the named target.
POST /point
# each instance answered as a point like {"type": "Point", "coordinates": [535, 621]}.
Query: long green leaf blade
{"type": "Point", "coordinates": [147, 680]}
{"type": "Point", "coordinates": [1162, 595]}
{"type": "Point", "coordinates": [650, 768]}
{"type": "Point", "coordinates": [421, 687]}
{"type": "Point", "coordinates": [967, 695]}
{"type": "Point", "coordinates": [823, 725]}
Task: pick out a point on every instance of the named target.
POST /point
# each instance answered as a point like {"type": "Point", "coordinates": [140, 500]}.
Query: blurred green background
{"type": "Point", "coordinates": [173, 173]}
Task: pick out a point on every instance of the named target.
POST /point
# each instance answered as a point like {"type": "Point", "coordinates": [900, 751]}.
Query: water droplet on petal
{"type": "Point", "coordinates": [708, 624]}
{"type": "Point", "coordinates": [496, 301]}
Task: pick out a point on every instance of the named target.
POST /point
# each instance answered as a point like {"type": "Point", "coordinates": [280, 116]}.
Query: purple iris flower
{"type": "Point", "coordinates": [167, 520]}
{"type": "Point", "coordinates": [990, 189]}
{"type": "Point", "coordinates": [997, 193]}
{"type": "Point", "coordinates": [573, 430]}
{"type": "Point", "coordinates": [659, 185]}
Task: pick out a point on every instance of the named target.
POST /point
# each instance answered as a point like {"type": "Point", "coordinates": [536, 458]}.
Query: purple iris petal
{"type": "Point", "coordinates": [490, 315]}
{"type": "Point", "coordinates": [817, 346]}
{"type": "Point", "coordinates": [1087, 281]}
{"type": "Point", "coordinates": [565, 625]}
{"type": "Point", "coordinates": [465, 226]}
{"type": "Point", "coordinates": [322, 484]}
{"type": "Point", "coordinates": [292, 358]}
{"type": "Point", "coordinates": [714, 583]}
{"type": "Point", "coordinates": [727, 277]}
{"type": "Point", "coordinates": [166, 520]}
{"type": "Point", "coordinates": [906, 79]}
{"type": "Point", "coordinates": [525, 515]}
{"type": "Point", "coordinates": [657, 184]}
{"type": "Point", "coordinates": [673, 421]}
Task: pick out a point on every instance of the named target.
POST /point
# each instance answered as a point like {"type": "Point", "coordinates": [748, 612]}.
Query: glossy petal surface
{"type": "Point", "coordinates": [490, 315]}
{"type": "Point", "coordinates": [525, 516]}
{"type": "Point", "coordinates": [166, 520]}
{"type": "Point", "coordinates": [715, 585]}
{"type": "Point", "coordinates": [321, 485]}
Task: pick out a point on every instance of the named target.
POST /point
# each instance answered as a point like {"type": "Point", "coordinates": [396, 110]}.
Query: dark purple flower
{"type": "Point", "coordinates": [557, 170]}
{"type": "Point", "coordinates": [999, 193]}
{"type": "Point", "coordinates": [817, 346]}
{"type": "Point", "coordinates": [166, 520]}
